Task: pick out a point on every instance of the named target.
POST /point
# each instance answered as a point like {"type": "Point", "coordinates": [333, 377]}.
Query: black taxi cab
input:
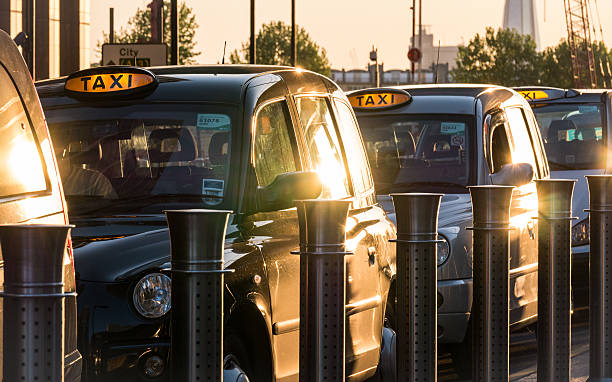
{"type": "Point", "coordinates": [575, 126]}
{"type": "Point", "coordinates": [132, 143]}
{"type": "Point", "coordinates": [444, 138]}
{"type": "Point", "coordinates": [30, 187]}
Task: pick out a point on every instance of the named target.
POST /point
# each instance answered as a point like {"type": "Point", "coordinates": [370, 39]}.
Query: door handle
{"type": "Point", "coordinates": [530, 228]}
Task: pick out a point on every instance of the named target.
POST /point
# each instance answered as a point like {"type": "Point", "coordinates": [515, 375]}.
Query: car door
{"type": "Point", "coordinates": [524, 246]}
{"type": "Point", "coordinates": [347, 177]}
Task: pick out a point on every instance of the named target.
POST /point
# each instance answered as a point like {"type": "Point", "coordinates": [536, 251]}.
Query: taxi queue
{"type": "Point", "coordinates": [132, 142]}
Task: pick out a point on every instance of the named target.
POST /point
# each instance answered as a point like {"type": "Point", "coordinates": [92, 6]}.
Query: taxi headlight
{"type": "Point", "coordinates": [443, 250]}
{"type": "Point", "coordinates": [580, 233]}
{"type": "Point", "coordinates": [152, 295]}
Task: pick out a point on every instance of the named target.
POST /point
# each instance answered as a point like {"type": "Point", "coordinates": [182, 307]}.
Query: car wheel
{"type": "Point", "coordinates": [236, 363]}
{"type": "Point", "coordinates": [461, 355]}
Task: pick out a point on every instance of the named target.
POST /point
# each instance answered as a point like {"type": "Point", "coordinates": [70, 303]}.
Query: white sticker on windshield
{"type": "Point", "coordinates": [214, 189]}
{"type": "Point", "coordinates": [452, 127]}
{"type": "Point", "coordinates": [213, 122]}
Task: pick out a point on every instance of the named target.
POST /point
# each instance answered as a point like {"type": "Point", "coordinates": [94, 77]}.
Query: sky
{"type": "Point", "coordinates": [347, 29]}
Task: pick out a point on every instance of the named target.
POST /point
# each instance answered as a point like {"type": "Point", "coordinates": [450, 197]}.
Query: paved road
{"type": "Point", "coordinates": [523, 356]}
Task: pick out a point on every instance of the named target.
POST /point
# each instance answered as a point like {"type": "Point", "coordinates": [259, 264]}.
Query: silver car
{"type": "Point", "coordinates": [444, 138]}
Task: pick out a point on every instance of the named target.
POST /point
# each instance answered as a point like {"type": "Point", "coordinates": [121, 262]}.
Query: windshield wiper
{"type": "Point", "coordinates": [140, 198]}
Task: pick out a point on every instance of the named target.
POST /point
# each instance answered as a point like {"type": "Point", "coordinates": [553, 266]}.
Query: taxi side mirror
{"type": "Point", "coordinates": [286, 188]}
{"type": "Point", "coordinates": [513, 174]}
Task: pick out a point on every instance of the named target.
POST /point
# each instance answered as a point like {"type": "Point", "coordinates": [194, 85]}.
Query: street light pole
{"type": "Point", "coordinates": [111, 26]}
{"type": "Point", "coordinates": [413, 36]}
{"type": "Point", "coordinates": [29, 27]}
{"type": "Point", "coordinates": [293, 42]}
{"type": "Point", "coordinates": [252, 58]}
{"type": "Point", "coordinates": [174, 20]}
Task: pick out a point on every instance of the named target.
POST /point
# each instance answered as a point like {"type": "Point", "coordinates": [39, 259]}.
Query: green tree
{"type": "Point", "coordinates": [502, 57]}
{"type": "Point", "coordinates": [273, 44]}
{"type": "Point", "coordinates": [557, 67]}
{"type": "Point", "coordinates": [139, 31]}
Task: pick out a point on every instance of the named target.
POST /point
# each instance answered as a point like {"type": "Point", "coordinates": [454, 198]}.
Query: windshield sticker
{"type": "Point", "coordinates": [452, 127]}
{"type": "Point", "coordinates": [457, 140]}
{"type": "Point", "coordinates": [214, 189]}
{"type": "Point", "coordinates": [213, 122]}
{"type": "Point", "coordinates": [587, 109]}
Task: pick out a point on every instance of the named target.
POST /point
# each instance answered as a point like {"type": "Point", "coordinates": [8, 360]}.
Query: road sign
{"type": "Point", "coordinates": [414, 55]}
{"type": "Point", "coordinates": [134, 54]}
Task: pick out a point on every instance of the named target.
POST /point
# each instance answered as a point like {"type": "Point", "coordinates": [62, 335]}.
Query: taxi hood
{"type": "Point", "coordinates": [455, 209]}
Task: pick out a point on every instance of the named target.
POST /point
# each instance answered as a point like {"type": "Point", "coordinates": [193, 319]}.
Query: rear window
{"type": "Point", "coordinates": [573, 135]}
{"type": "Point", "coordinates": [21, 165]}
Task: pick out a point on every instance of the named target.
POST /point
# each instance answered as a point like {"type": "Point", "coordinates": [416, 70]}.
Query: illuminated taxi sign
{"type": "Point", "coordinates": [534, 95]}
{"type": "Point", "coordinates": [109, 81]}
{"type": "Point", "coordinates": [377, 99]}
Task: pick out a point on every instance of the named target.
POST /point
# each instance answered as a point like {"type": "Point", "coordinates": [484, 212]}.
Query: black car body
{"type": "Point", "coordinates": [575, 127]}
{"type": "Point", "coordinates": [215, 137]}
{"type": "Point", "coordinates": [443, 139]}
{"type": "Point", "coordinates": [30, 187]}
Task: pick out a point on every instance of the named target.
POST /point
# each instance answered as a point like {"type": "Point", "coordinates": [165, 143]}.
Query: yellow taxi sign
{"type": "Point", "coordinates": [98, 82]}
{"type": "Point", "coordinates": [376, 99]}
{"type": "Point", "coordinates": [533, 95]}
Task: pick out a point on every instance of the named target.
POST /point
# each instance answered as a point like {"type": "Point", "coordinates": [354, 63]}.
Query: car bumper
{"type": "Point", "coordinates": [454, 305]}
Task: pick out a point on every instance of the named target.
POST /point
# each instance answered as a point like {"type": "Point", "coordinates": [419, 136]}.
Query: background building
{"type": "Point", "coordinates": [521, 15]}
{"type": "Point", "coordinates": [61, 33]}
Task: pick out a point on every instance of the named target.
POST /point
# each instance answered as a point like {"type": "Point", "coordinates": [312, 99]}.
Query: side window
{"type": "Point", "coordinates": [353, 147]}
{"type": "Point", "coordinates": [273, 149]}
{"type": "Point", "coordinates": [21, 165]}
{"type": "Point", "coordinates": [500, 148]}
{"type": "Point", "coordinates": [323, 146]}
{"type": "Point", "coordinates": [522, 145]}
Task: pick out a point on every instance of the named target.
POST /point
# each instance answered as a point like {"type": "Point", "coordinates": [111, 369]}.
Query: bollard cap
{"type": "Point", "coordinates": [322, 225]}
{"type": "Point", "coordinates": [417, 214]}
{"type": "Point", "coordinates": [491, 205]}
{"type": "Point", "coordinates": [600, 192]}
{"type": "Point", "coordinates": [197, 238]}
{"type": "Point", "coordinates": [555, 198]}
{"type": "Point", "coordinates": [34, 257]}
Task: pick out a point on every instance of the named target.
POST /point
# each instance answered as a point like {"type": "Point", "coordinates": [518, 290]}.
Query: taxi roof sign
{"type": "Point", "coordinates": [539, 93]}
{"type": "Point", "coordinates": [105, 81]}
{"type": "Point", "coordinates": [378, 99]}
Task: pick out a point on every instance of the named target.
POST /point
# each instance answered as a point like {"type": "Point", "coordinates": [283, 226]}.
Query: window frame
{"type": "Point", "coordinates": [306, 152]}
{"type": "Point", "coordinates": [48, 188]}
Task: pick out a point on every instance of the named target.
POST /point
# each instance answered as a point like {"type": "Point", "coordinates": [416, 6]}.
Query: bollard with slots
{"type": "Point", "coordinates": [416, 283]}
{"type": "Point", "coordinates": [33, 294]}
{"type": "Point", "coordinates": [554, 279]}
{"type": "Point", "coordinates": [197, 241]}
{"type": "Point", "coordinates": [322, 289]}
{"type": "Point", "coordinates": [490, 319]}
{"type": "Point", "coordinates": [600, 279]}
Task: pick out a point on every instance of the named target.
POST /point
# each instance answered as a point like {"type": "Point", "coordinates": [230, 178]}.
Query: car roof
{"type": "Point", "coordinates": [446, 98]}
{"type": "Point", "coordinates": [210, 83]}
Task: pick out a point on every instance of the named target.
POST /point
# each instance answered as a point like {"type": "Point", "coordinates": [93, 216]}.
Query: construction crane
{"type": "Point", "coordinates": [580, 44]}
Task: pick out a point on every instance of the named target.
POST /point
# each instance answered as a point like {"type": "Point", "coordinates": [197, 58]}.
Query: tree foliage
{"type": "Point", "coordinates": [502, 57]}
{"type": "Point", "coordinates": [505, 57]}
{"type": "Point", "coordinates": [273, 47]}
{"type": "Point", "coordinates": [139, 31]}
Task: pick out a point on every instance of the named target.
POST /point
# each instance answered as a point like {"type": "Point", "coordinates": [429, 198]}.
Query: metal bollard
{"type": "Point", "coordinates": [322, 289]}
{"type": "Point", "coordinates": [197, 240]}
{"type": "Point", "coordinates": [33, 327]}
{"type": "Point", "coordinates": [416, 283]}
{"type": "Point", "coordinates": [490, 319]}
{"type": "Point", "coordinates": [600, 282]}
{"type": "Point", "coordinates": [554, 279]}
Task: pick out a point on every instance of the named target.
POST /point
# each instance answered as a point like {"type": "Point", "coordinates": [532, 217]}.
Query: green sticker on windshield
{"type": "Point", "coordinates": [452, 127]}
{"type": "Point", "coordinates": [213, 122]}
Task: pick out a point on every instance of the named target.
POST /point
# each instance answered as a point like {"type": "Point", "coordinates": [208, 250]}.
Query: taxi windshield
{"type": "Point", "coordinates": [418, 152]}
{"type": "Point", "coordinates": [573, 135]}
{"type": "Point", "coordinates": [142, 158]}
